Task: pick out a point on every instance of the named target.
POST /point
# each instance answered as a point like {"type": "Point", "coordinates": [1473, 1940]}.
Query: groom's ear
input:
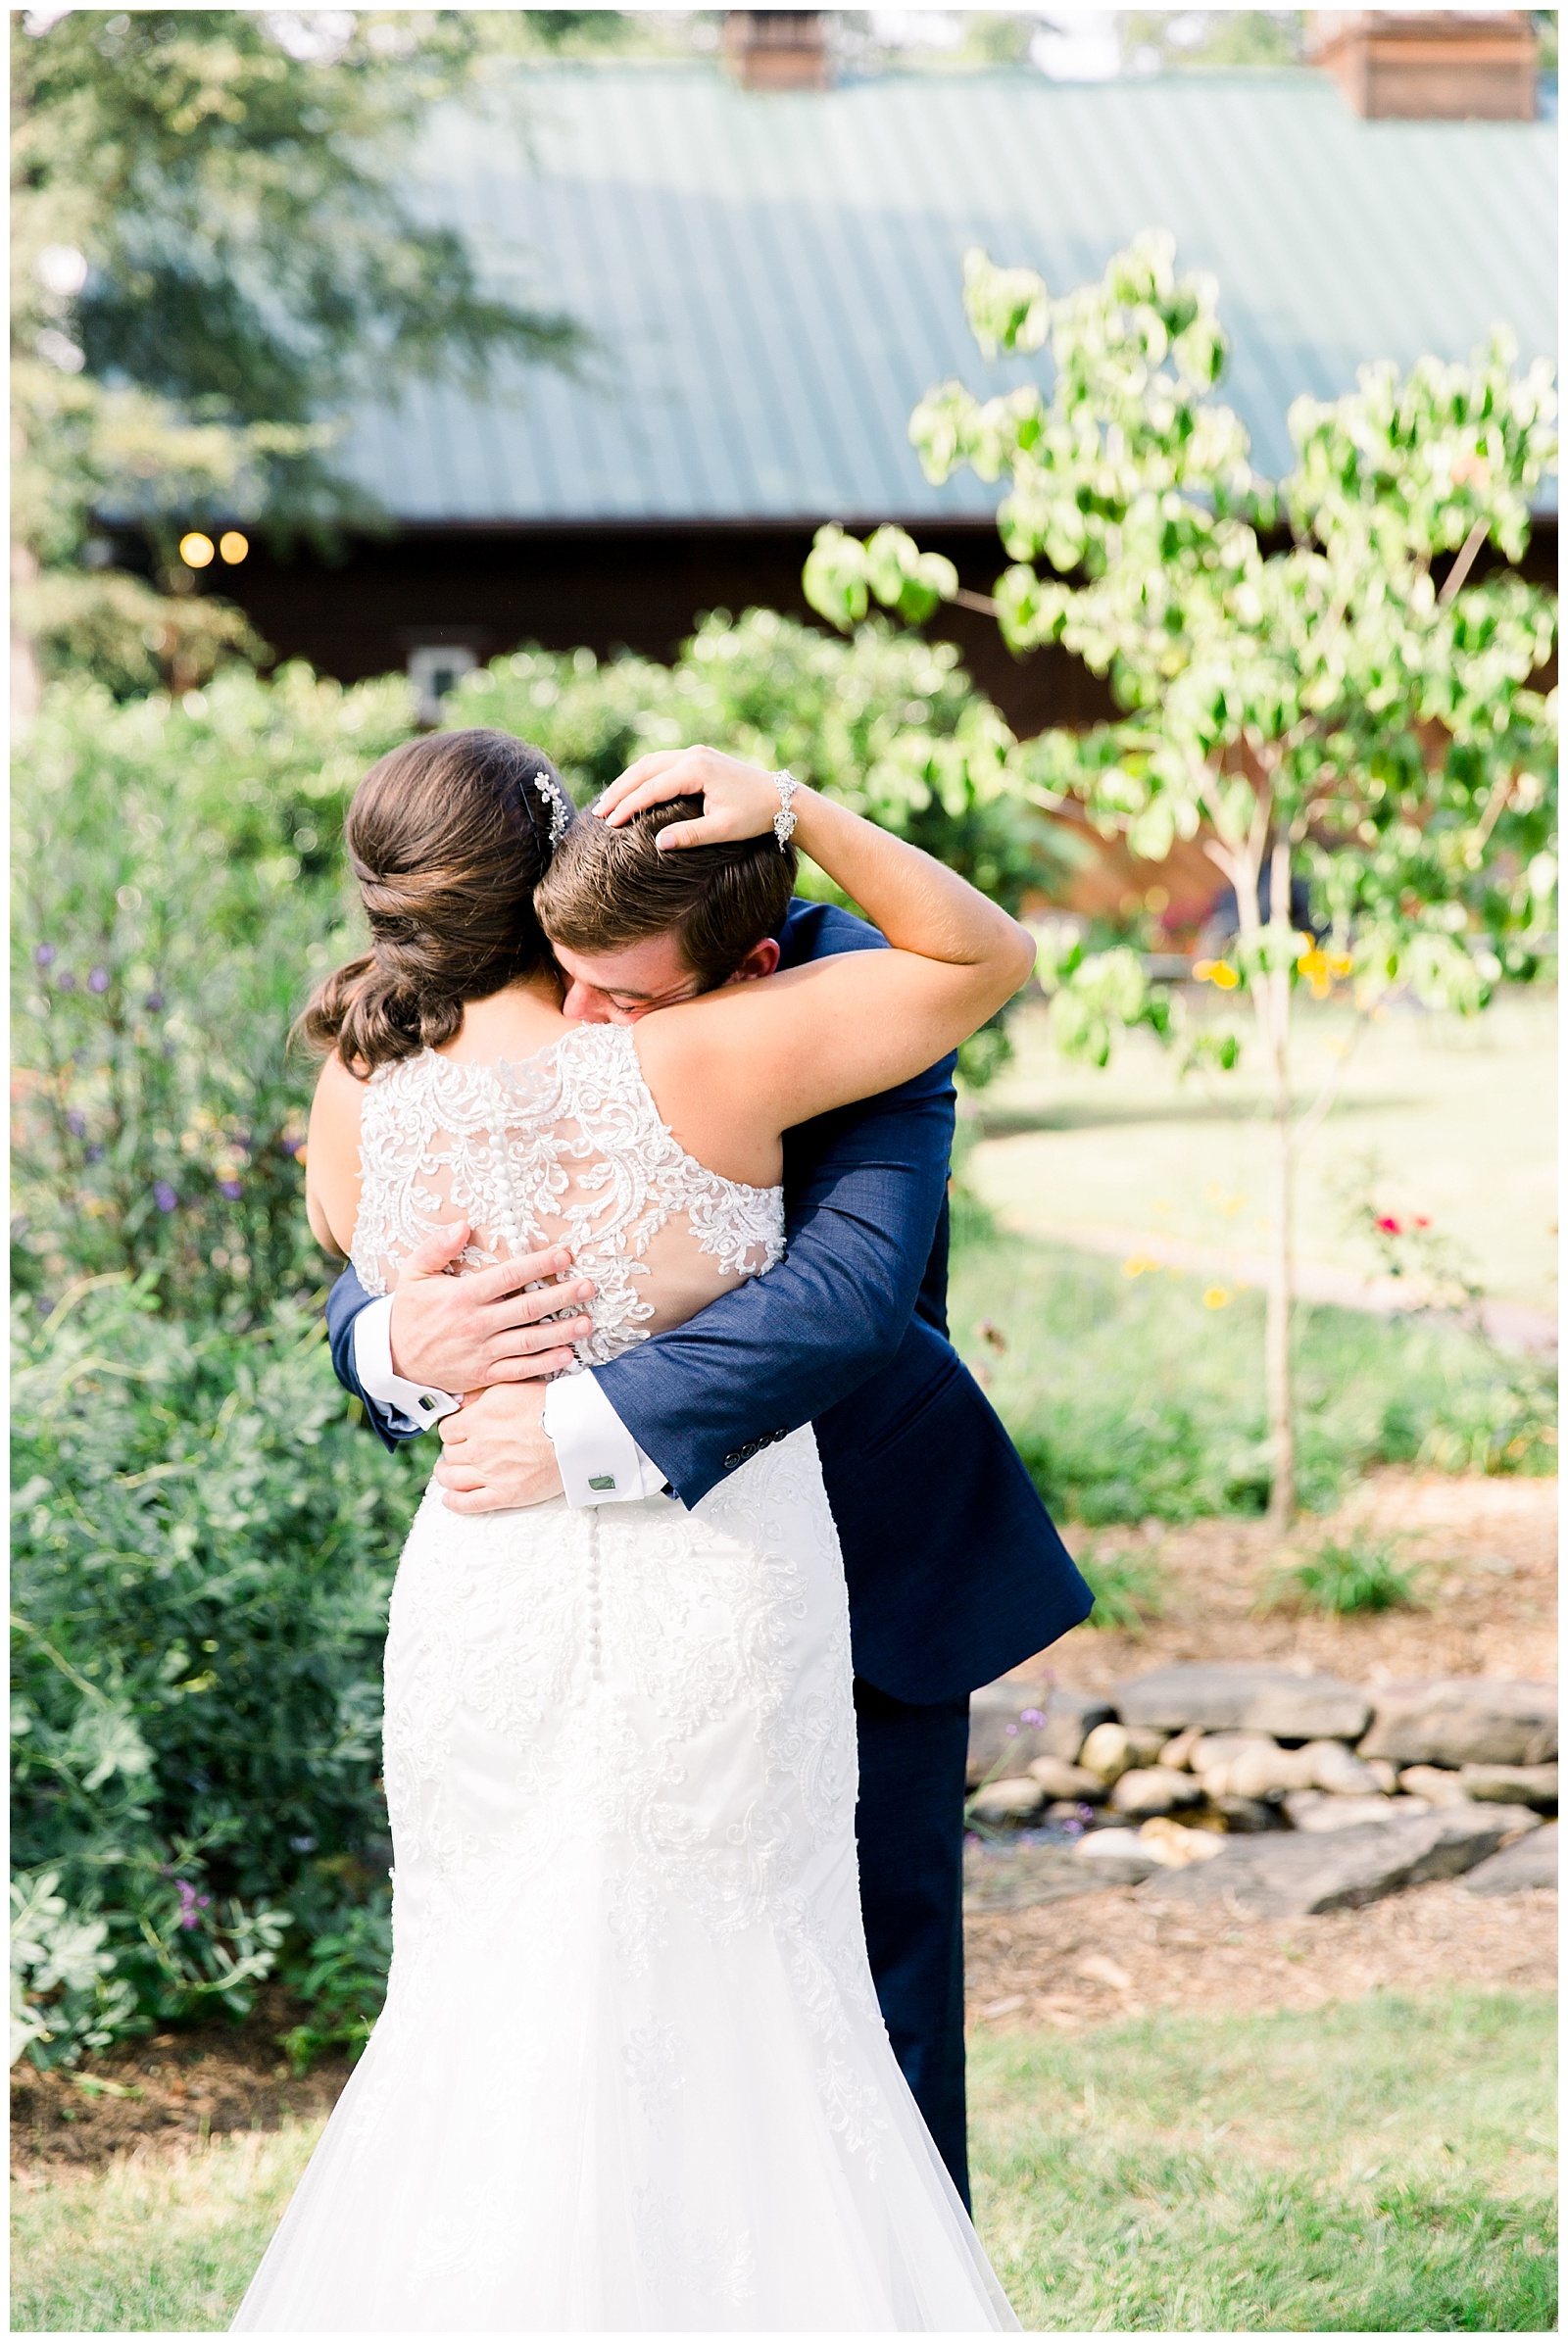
{"type": "Point", "coordinates": [761, 961]}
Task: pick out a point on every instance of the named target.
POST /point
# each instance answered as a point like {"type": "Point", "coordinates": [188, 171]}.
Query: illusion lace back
{"type": "Point", "coordinates": [631, 2075]}
{"type": "Point", "coordinates": [564, 1148]}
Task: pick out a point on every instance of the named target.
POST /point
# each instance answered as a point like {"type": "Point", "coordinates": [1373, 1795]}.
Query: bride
{"type": "Point", "coordinates": [631, 2075]}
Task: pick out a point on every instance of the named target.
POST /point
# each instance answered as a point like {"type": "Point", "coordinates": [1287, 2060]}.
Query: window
{"type": "Point", "coordinates": [434, 669]}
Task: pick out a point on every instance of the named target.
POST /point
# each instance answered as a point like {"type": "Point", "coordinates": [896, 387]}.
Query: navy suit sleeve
{"type": "Point", "coordinates": [343, 1302]}
{"type": "Point", "coordinates": [866, 1190]}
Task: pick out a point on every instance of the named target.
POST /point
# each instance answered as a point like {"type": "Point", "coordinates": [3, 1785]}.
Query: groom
{"type": "Point", "coordinates": [954, 1571]}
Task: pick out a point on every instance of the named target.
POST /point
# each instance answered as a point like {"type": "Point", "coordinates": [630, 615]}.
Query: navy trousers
{"type": "Point", "coordinates": [909, 1827]}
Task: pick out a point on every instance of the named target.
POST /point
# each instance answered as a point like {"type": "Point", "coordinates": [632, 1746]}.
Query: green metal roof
{"type": "Point", "coordinates": [774, 279]}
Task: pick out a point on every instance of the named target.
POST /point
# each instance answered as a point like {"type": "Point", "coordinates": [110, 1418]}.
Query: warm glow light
{"type": "Point", "coordinates": [232, 546]}
{"type": "Point", "coordinates": [195, 550]}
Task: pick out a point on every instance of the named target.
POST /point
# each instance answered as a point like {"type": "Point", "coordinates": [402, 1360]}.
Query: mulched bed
{"type": "Point", "coordinates": [169, 2089]}
{"type": "Point", "coordinates": [1487, 1554]}
{"type": "Point", "coordinates": [1106, 1956]}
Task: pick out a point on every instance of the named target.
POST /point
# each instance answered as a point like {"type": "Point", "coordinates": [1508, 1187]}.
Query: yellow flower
{"type": "Point", "coordinates": [1138, 1264]}
{"type": "Point", "coordinates": [1217, 1297]}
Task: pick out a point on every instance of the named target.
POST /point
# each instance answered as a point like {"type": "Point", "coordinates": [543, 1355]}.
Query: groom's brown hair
{"type": "Point", "coordinates": [610, 888]}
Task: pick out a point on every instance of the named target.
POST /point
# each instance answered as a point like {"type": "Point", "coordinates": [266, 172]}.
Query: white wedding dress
{"type": "Point", "coordinates": [631, 2075]}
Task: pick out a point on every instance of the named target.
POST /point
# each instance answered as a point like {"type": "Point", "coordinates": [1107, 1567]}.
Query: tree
{"type": "Point", "coordinates": [212, 255]}
{"type": "Point", "coordinates": [1318, 680]}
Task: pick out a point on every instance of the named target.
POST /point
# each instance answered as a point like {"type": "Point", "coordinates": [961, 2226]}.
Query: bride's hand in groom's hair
{"type": "Point", "coordinates": [739, 801]}
{"type": "Point", "coordinates": [463, 1333]}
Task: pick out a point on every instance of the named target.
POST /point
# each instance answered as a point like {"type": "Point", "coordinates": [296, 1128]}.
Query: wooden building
{"type": "Point", "coordinates": [770, 268]}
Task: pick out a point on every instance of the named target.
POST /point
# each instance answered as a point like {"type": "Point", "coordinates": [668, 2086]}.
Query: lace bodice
{"type": "Point", "coordinates": [564, 1147]}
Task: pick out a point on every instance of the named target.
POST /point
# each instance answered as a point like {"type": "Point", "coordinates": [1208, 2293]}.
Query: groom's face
{"type": "Point", "coordinates": [616, 988]}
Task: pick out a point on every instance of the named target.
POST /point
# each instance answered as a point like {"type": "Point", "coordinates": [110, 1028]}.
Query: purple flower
{"type": "Point", "coordinates": [98, 981]}
{"type": "Point", "coordinates": [76, 1123]}
{"type": "Point", "coordinates": [1030, 1716]}
{"type": "Point", "coordinates": [44, 955]}
{"type": "Point", "coordinates": [292, 1145]}
{"type": "Point", "coordinates": [164, 1197]}
{"type": "Point", "coordinates": [231, 1189]}
{"type": "Point", "coordinates": [155, 1003]}
{"type": "Point", "coordinates": [95, 1155]}
{"type": "Point", "coordinates": [1011, 1731]}
{"type": "Point", "coordinates": [68, 982]}
{"type": "Point", "coordinates": [190, 1902]}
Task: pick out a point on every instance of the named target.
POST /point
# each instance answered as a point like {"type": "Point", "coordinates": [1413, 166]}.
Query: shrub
{"type": "Point", "coordinates": [1341, 1579]}
{"type": "Point", "coordinates": [886, 723]}
{"type": "Point", "coordinates": [1128, 1398]}
{"type": "Point", "coordinates": [1129, 1589]}
{"type": "Point", "coordinates": [177, 893]}
{"type": "Point", "coordinates": [202, 1548]}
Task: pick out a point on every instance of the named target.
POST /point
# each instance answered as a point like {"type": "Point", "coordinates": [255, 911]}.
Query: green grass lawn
{"type": "Point", "coordinates": [1384, 2167]}
{"type": "Point", "coordinates": [1128, 1396]}
{"type": "Point", "coordinates": [1460, 1111]}
{"type": "Point", "coordinates": [155, 2244]}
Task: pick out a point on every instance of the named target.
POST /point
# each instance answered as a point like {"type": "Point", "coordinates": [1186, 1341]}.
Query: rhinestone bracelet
{"type": "Point", "coordinates": [784, 819]}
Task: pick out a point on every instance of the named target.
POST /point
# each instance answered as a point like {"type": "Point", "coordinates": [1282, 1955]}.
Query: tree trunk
{"type": "Point", "coordinates": [1277, 1330]}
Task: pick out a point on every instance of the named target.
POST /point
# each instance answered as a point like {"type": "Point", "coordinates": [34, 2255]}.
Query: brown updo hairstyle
{"type": "Point", "coordinates": [447, 836]}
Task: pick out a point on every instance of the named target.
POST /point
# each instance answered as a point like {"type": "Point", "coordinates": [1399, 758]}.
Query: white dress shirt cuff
{"type": "Point", "coordinates": [413, 1406]}
{"type": "Point", "coordinates": [601, 1463]}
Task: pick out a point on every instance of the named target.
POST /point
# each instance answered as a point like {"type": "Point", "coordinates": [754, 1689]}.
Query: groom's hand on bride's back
{"type": "Point", "coordinates": [463, 1333]}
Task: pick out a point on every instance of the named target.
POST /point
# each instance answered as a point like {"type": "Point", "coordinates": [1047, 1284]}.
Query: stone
{"type": "Point", "coordinates": [1067, 1809]}
{"type": "Point", "coordinates": [1248, 1813]}
{"type": "Point", "coordinates": [1295, 1872]}
{"type": "Point", "coordinates": [1232, 1697]}
{"type": "Point", "coordinates": [1210, 1750]}
{"type": "Point", "coordinates": [1106, 1753]}
{"type": "Point", "coordinates": [1382, 1773]}
{"type": "Point", "coordinates": [1174, 1846]}
{"type": "Point", "coordinates": [1470, 1720]}
{"type": "Point", "coordinates": [1071, 1717]}
{"type": "Point", "coordinates": [1512, 1785]}
{"type": "Point", "coordinates": [1317, 1809]}
{"type": "Point", "coordinates": [1529, 1862]}
{"type": "Point", "coordinates": [1432, 1783]}
{"type": "Point", "coordinates": [1000, 1740]}
{"type": "Point", "coordinates": [1177, 1753]}
{"type": "Point", "coordinates": [1062, 1780]}
{"type": "Point", "coordinates": [1117, 1856]}
{"type": "Point", "coordinates": [1146, 1743]}
{"type": "Point", "coordinates": [1264, 1771]}
{"type": "Point", "coordinates": [1007, 1801]}
{"type": "Point", "coordinates": [1152, 1790]}
{"type": "Point", "coordinates": [1338, 1771]}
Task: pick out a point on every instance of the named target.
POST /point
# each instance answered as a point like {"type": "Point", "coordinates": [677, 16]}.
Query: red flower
{"type": "Point", "coordinates": [1388, 1227]}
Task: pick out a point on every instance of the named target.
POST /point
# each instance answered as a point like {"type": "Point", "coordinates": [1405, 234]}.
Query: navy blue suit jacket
{"type": "Point", "coordinates": [955, 1570]}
